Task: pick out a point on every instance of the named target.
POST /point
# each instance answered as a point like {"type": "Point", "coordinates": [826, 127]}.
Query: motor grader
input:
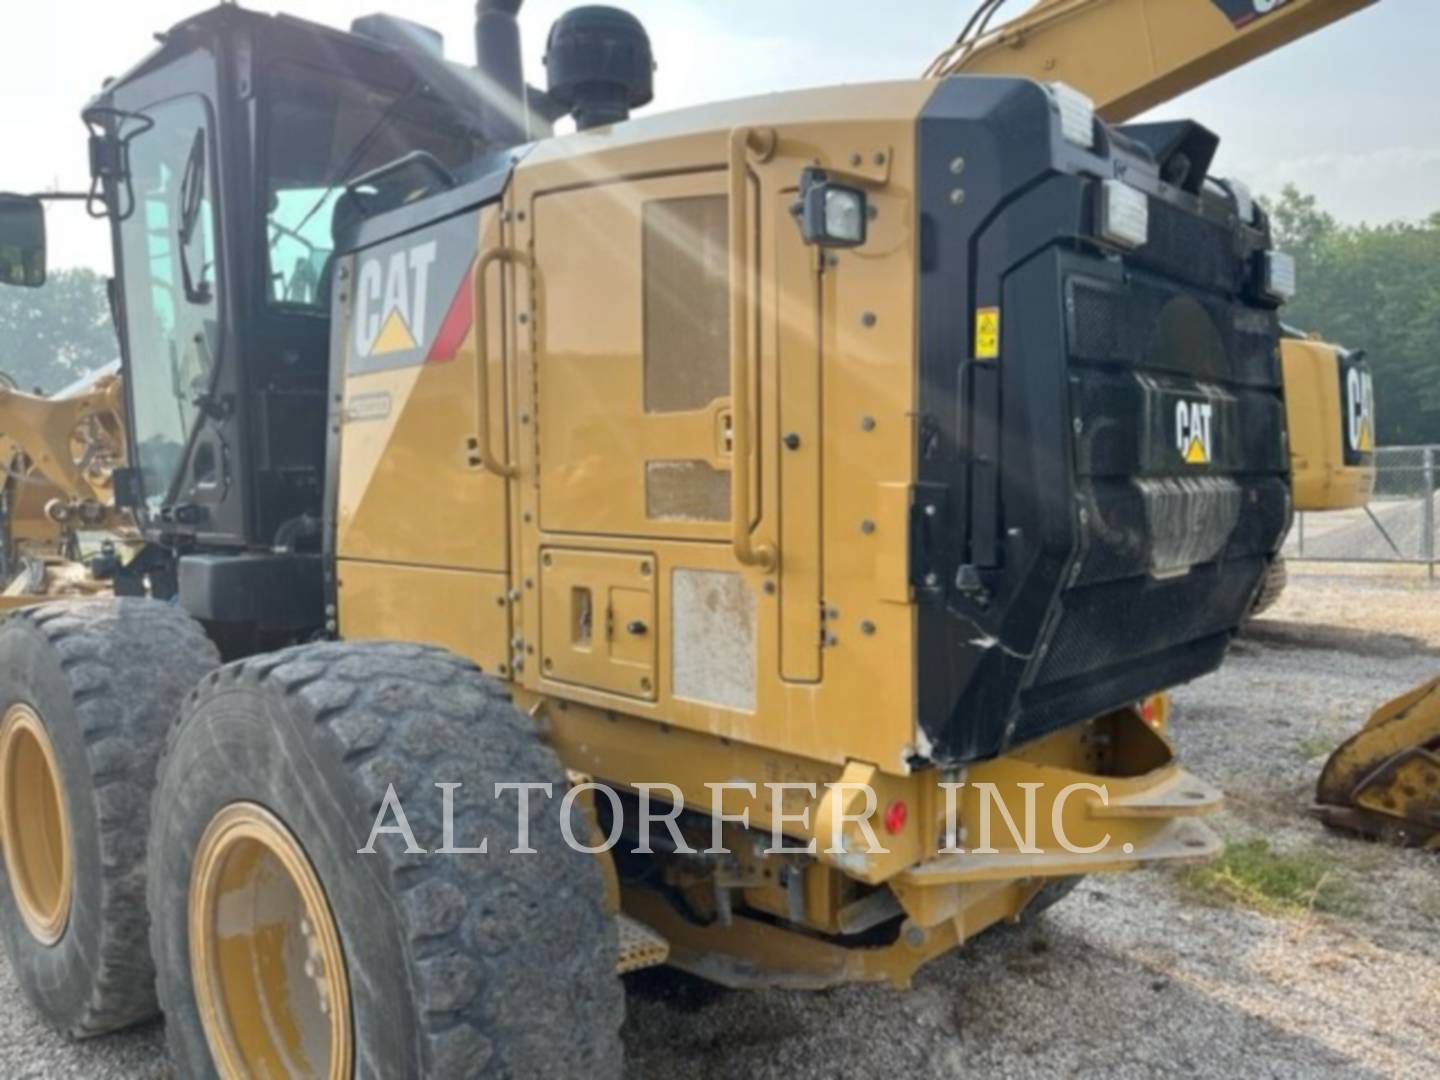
{"type": "Point", "coordinates": [829, 475]}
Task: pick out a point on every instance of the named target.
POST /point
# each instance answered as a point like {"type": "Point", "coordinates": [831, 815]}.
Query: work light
{"type": "Point", "coordinates": [1077, 114]}
{"type": "Point", "coordinates": [1124, 214]}
{"type": "Point", "coordinates": [1278, 276]}
{"type": "Point", "coordinates": [831, 214]}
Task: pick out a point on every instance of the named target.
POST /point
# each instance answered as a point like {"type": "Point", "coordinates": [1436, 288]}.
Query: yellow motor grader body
{"type": "Point", "coordinates": [813, 492]}
{"type": "Point", "coordinates": [700, 434]}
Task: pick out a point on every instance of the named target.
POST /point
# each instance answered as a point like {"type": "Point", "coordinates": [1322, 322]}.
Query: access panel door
{"type": "Point", "coordinates": [597, 620]}
{"type": "Point", "coordinates": [632, 351]}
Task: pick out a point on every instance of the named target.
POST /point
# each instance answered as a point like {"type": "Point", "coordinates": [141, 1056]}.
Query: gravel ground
{"type": "Point", "coordinates": [1130, 976]}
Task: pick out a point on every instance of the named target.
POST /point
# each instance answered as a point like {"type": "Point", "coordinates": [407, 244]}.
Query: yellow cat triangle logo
{"type": "Point", "coordinates": [1195, 453]}
{"type": "Point", "coordinates": [394, 336]}
{"type": "Point", "coordinates": [1367, 437]}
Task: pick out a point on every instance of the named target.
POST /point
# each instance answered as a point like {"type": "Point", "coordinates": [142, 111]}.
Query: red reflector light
{"type": "Point", "coordinates": [896, 814]}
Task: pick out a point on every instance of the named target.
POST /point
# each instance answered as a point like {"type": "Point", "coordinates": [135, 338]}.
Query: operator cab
{"type": "Point", "coordinates": [236, 142]}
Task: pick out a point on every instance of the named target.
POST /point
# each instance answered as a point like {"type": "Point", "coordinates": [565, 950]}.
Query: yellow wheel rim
{"type": "Point", "coordinates": [34, 825]}
{"type": "Point", "coordinates": [265, 955]}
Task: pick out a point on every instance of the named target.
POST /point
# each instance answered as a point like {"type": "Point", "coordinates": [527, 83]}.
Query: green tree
{"type": "Point", "coordinates": [1375, 288]}
{"type": "Point", "coordinates": [52, 335]}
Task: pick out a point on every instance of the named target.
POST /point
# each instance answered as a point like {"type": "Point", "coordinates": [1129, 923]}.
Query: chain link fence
{"type": "Point", "coordinates": [1399, 525]}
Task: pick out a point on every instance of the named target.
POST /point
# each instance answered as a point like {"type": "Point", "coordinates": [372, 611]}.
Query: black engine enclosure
{"type": "Point", "coordinates": [1077, 560]}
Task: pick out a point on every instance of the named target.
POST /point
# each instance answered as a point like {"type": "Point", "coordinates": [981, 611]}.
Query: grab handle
{"type": "Point", "coordinates": [743, 142]}
{"type": "Point", "coordinates": [492, 461]}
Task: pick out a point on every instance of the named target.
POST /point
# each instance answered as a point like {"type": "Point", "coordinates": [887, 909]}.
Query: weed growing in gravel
{"type": "Point", "coordinates": [1313, 746]}
{"type": "Point", "coordinates": [1251, 874]}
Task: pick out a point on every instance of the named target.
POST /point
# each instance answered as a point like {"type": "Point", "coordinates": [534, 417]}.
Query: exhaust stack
{"type": "Point", "coordinates": [497, 58]}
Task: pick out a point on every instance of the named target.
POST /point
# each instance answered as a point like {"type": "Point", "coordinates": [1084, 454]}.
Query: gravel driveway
{"type": "Point", "coordinates": [1130, 976]}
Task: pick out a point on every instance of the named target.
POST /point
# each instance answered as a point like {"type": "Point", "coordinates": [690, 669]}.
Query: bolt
{"type": "Point", "coordinates": [1078, 425]}
{"type": "Point", "coordinates": [867, 423]}
{"type": "Point", "coordinates": [931, 580]}
{"type": "Point", "coordinates": [855, 160]}
{"type": "Point", "coordinates": [645, 569]}
{"type": "Point", "coordinates": [879, 157]}
{"type": "Point", "coordinates": [867, 627]}
{"type": "Point", "coordinates": [524, 318]}
{"type": "Point", "coordinates": [831, 640]}
{"type": "Point", "coordinates": [869, 318]}
{"type": "Point", "coordinates": [957, 196]}
{"type": "Point", "coordinates": [957, 165]}
{"type": "Point", "coordinates": [867, 526]}
{"type": "Point", "coordinates": [525, 517]}
{"type": "Point", "coordinates": [545, 560]}
{"type": "Point", "coordinates": [769, 588]}
{"type": "Point", "coordinates": [792, 441]}
{"type": "Point", "coordinates": [832, 259]}
{"type": "Point", "coordinates": [914, 937]}
{"type": "Point", "coordinates": [930, 510]}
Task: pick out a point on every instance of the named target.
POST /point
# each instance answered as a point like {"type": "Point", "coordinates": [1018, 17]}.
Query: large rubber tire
{"type": "Point", "coordinates": [458, 965]}
{"type": "Point", "coordinates": [106, 679]}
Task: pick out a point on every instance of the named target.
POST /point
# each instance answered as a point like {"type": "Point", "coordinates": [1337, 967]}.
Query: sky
{"type": "Point", "coordinates": [1351, 114]}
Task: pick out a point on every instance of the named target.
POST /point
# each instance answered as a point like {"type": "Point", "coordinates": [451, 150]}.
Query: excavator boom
{"type": "Point", "coordinates": [1131, 55]}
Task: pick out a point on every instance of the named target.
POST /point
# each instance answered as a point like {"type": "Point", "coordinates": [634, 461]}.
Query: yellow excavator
{"type": "Point", "coordinates": [1128, 56]}
{"type": "Point", "coordinates": [59, 453]}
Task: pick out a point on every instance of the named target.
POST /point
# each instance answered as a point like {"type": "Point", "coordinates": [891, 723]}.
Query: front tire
{"type": "Point", "coordinates": [448, 965]}
{"type": "Point", "coordinates": [90, 688]}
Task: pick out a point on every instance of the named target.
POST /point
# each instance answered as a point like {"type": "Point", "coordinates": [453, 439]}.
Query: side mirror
{"type": "Point", "coordinates": [22, 241]}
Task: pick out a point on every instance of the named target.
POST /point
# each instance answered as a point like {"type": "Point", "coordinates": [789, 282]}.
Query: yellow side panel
{"type": "Point", "coordinates": [1314, 413]}
{"type": "Point", "coordinates": [459, 610]}
{"type": "Point", "coordinates": [738, 649]}
{"type": "Point", "coordinates": [410, 489]}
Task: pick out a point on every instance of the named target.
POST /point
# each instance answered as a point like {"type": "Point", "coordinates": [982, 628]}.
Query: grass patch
{"type": "Point", "coordinates": [1313, 746]}
{"type": "Point", "coordinates": [1250, 873]}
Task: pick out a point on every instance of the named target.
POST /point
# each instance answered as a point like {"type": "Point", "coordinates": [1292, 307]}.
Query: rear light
{"type": "Point", "coordinates": [1124, 214]}
{"type": "Point", "coordinates": [1155, 710]}
{"type": "Point", "coordinates": [1244, 200]}
{"type": "Point", "coordinates": [1278, 276]}
{"type": "Point", "coordinates": [896, 814]}
{"type": "Point", "coordinates": [1077, 114]}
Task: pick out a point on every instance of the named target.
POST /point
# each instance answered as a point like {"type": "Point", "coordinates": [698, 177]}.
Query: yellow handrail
{"type": "Point", "coordinates": [493, 462]}
{"type": "Point", "coordinates": [743, 142]}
